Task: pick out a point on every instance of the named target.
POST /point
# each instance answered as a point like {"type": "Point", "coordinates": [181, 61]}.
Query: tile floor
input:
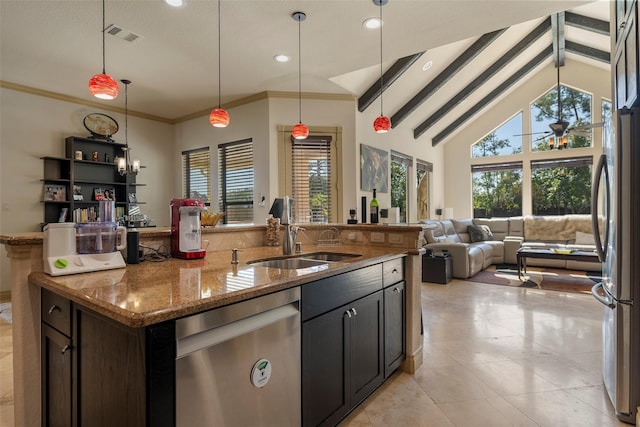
{"type": "Point", "coordinates": [493, 356]}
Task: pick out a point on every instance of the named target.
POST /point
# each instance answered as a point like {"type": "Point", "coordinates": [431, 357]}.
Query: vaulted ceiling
{"type": "Point", "coordinates": [478, 51]}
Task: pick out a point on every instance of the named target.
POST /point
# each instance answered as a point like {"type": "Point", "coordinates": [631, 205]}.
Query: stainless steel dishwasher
{"type": "Point", "coordinates": [239, 365]}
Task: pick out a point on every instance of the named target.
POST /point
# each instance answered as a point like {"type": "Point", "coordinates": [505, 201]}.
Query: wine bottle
{"type": "Point", "coordinates": [373, 208]}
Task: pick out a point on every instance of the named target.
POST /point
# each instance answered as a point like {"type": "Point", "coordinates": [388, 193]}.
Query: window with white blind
{"type": "Point", "coordinates": [196, 177]}
{"type": "Point", "coordinates": [311, 169]}
{"type": "Point", "coordinates": [236, 181]}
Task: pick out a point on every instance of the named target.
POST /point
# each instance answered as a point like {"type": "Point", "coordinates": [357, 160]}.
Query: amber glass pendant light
{"type": "Point", "coordinates": [102, 85]}
{"type": "Point", "coordinates": [299, 131]}
{"type": "Point", "coordinates": [219, 117]}
{"type": "Point", "coordinates": [382, 123]}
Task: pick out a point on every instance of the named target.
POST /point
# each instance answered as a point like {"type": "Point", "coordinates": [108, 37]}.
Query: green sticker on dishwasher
{"type": "Point", "coordinates": [61, 263]}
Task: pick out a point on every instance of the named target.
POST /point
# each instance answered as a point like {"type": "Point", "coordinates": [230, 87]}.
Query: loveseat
{"type": "Point", "coordinates": [475, 244]}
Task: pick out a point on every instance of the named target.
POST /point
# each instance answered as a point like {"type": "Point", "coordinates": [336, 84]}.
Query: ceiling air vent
{"type": "Point", "coordinates": [121, 33]}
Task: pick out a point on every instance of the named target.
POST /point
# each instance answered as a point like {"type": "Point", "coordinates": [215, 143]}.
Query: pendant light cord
{"type": "Point", "coordinates": [219, 55]}
{"type": "Point", "coordinates": [381, 81]}
{"type": "Point", "coordinates": [299, 73]}
{"type": "Point", "coordinates": [126, 115]}
{"type": "Point", "coordinates": [104, 24]}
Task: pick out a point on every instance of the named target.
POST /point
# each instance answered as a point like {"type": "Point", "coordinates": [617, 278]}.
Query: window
{"type": "Point", "coordinates": [561, 187]}
{"type": "Point", "coordinates": [311, 179]}
{"type": "Point", "coordinates": [196, 178]}
{"type": "Point", "coordinates": [497, 190]}
{"type": "Point", "coordinates": [505, 140]}
{"type": "Point", "coordinates": [423, 184]}
{"type": "Point", "coordinates": [576, 110]}
{"type": "Point", "coordinates": [236, 181]}
{"type": "Point", "coordinates": [400, 167]}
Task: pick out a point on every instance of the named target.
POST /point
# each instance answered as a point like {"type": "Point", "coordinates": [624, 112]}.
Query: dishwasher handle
{"type": "Point", "coordinates": [211, 337]}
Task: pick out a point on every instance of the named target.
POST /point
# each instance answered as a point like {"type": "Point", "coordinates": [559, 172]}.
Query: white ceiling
{"type": "Point", "coordinates": [57, 46]}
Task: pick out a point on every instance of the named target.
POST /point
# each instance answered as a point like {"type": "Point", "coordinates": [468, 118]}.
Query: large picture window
{"type": "Point", "coordinates": [196, 177]}
{"type": "Point", "coordinates": [311, 179]}
{"type": "Point", "coordinates": [400, 171]}
{"type": "Point", "coordinates": [236, 181]}
{"type": "Point", "coordinates": [505, 140]}
{"type": "Point", "coordinates": [497, 190]}
{"type": "Point", "coordinates": [561, 187]}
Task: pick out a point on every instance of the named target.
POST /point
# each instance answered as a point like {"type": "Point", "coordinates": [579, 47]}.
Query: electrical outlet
{"type": "Point", "coordinates": [377, 237]}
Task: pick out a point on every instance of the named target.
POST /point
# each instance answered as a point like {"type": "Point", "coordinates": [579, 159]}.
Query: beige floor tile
{"type": "Point", "coordinates": [495, 412]}
{"type": "Point", "coordinates": [430, 416]}
{"type": "Point", "coordinates": [594, 396]}
{"type": "Point", "coordinates": [510, 377]}
{"type": "Point", "coordinates": [452, 384]}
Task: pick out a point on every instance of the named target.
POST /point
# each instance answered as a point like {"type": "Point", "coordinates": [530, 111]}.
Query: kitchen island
{"type": "Point", "coordinates": [148, 294]}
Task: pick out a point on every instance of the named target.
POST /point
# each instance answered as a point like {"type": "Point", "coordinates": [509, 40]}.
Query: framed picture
{"type": "Point", "coordinates": [374, 169]}
{"type": "Point", "coordinates": [109, 194]}
{"type": "Point", "coordinates": [55, 193]}
{"type": "Point", "coordinates": [77, 193]}
{"type": "Point", "coordinates": [97, 194]}
{"type": "Point", "coordinates": [133, 198]}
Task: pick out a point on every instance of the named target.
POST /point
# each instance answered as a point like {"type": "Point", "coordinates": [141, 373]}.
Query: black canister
{"type": "Point", "coordinates": [133, 242]}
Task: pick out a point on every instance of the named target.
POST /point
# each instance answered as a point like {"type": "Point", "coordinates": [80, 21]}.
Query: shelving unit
{"type": "Point", "coordinates": [80, 179]}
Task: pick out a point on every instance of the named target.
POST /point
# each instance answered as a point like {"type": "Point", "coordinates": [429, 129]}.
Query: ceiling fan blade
{"type": "Point", "coordinates": [589, 126]}
{"type": "Point", "coordinates": [534, 133]}
{"type": "Point", "coordinates": [579, 133]}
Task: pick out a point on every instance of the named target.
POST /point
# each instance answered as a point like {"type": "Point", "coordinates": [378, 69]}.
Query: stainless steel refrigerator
{"type": "Point", "coordinates": [617, 187]}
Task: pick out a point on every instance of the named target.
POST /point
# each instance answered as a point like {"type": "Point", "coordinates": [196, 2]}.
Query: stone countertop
{"type": "Point", "coordinates": [152, 292]}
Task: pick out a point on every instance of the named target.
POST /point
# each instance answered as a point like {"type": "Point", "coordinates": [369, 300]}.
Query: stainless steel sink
{"type": "Point", "coordinates": [288, 263]}
{"type": "Point", "coordinates": [304, 261]}
{"type": "Point", "coordinates": [330, 256]}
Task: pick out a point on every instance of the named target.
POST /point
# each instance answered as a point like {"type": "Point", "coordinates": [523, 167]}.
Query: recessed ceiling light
{"type": "Point", "coordinates": [427, 65]}
{"type": "Point", "coordinates": [174, 3]}
{"type": "Point", "coordinates": [281, 57]}
{"type": "Point", "coordinates": [372, 23]}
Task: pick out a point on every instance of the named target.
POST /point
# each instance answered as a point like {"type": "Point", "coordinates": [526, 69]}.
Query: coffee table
{"type": "Point", "coordinates": [523, 253]}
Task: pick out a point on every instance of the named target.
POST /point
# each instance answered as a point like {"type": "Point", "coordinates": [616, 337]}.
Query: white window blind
{"type": "Point", "coordinates": [236, 181]}
{"type": "Point", "coordinates": [196, 177]}
{"type": "Point", "coordinates": [311, 179]}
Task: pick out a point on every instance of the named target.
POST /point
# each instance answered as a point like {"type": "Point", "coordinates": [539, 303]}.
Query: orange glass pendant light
{"type": "Point", "coordinates": [382, 123]}
{"type": "Point", "coordinates": [219, 117]}
{"type": "Point", "coordinates": [299, 131]}
{"type": "Point", "coordinates": [102, 85]}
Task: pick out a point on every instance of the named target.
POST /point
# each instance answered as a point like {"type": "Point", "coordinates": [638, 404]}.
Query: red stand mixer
{"type": "Point", "coordinates": [186, 236]}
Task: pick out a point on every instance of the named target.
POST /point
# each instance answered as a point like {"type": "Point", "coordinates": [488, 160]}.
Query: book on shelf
{"type": "Point", "coordinates": [55, 193]}
{"type": "Point", "coordinates": [63, 215]}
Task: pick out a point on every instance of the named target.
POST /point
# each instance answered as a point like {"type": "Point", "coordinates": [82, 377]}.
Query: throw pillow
{"type": "Point", "coordinates": [479, 233]}
{"type": "Point", "coordinates": [584, 238]}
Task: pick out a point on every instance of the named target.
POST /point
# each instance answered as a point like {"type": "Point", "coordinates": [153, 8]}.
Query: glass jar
{"type": "Point", "coordinates": [273, 231]}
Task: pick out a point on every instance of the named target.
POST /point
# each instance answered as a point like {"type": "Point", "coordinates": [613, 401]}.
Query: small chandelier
{"type": "Point", "coordinates": [300, 130]}
{"type": "Point", "coordinates": [125, 166]}
{"type": "Point", "coordinates": [219, 117]}
{"type": "Point", "coordinates": [102, 85]}
{"type": "Point", "coordinates": [382, 123]}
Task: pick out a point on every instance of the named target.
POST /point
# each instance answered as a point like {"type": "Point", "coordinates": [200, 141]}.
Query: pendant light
{"type": "Point", "coordinates": [103, 86]}
{"type": "Point", "coordinates": [381, 124]}
{"type": "Point", "coordinates": [125, 166]}
{"type": "Point", "coordinates": [219, 117]}
{"type": "Point", "coordinates": [299, 131]}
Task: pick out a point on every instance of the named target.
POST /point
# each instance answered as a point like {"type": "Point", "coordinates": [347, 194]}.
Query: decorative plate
{"type": "Point", "coordinates": [100, 125]}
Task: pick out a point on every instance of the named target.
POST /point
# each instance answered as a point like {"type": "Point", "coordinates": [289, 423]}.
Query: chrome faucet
{"type": "Point", "coordinates": [290, 231]}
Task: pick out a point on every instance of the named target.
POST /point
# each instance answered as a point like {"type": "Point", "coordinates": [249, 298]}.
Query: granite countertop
{"type": "Point", "coordinates": [152, 292]}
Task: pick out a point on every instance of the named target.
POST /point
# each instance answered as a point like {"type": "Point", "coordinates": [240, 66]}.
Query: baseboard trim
{"type": "Point", "coordinates": [413, 362]}
{"type": "Point", "coordinates": [5, 296]}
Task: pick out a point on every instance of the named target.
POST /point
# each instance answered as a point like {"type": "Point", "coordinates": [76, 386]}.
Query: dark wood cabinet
{"type": "Point", "coordinates": [626, 78]}
{"type": "Point", "coordinates": [104, 374]}
{"type": "Point", "coordinates": [394, 327]}
{"type": "Point", "coordinates": [71, 182]}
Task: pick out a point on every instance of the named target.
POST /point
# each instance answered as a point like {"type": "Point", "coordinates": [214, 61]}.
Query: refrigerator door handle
{"type": "Point", "coordinates": [605, 299]}
{"type": "Point", "coordinates": [601, 169]}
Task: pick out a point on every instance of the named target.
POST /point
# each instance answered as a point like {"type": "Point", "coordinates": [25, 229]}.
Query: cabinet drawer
{"type": "Point", "coordinates": [392, 271]}
{"type": "Point", "coordinates": [56, 311]}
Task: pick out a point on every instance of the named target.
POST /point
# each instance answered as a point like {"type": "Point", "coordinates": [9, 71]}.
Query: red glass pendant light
{"type": "Point", "coordinates": [299, 131]}
{"type": "Point", "coordinates": [382, 123]}
{"type": "Point", "coordinates": [219, 117]}
{"type": "Point", "coordinates": [102, 85]}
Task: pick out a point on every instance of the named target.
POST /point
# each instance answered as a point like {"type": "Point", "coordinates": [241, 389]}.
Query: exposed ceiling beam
{"type": "Point", "coordinates": [557, 33]}
{"type": "Point", "coordinates": [589, 52]}
{"type": "Point", "coordinates": [390, 76]}
{"type": "Point", "coordinates": [447, 74]}
{"type": "Point", "coordinates": [522, 45]}
{"type": "Point", "coordinates": [493, 95]}
{"type": "Point", "coordinates": [586, 23]}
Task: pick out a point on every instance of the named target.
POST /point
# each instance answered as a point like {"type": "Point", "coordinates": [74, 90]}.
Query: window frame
{"type": "Point", "coordinates": [186, 175]}
{"type": "Point", "coordinates": [224, 150]}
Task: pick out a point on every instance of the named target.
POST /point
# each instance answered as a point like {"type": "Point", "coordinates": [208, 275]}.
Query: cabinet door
{"type": "Point", "coordinates": [56, 378]}
{"type": "Point", "coordinates": [323, 368]}
{"type": "Point", "coordinates": [365, 352]}
{"type": "Point", "coordinates": [394, 327]}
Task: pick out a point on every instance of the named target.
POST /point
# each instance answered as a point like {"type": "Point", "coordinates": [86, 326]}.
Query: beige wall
{"type": "Point", "coordinates": [457, 155]}
{"type": "Point", "coordinates": [33, 126]}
